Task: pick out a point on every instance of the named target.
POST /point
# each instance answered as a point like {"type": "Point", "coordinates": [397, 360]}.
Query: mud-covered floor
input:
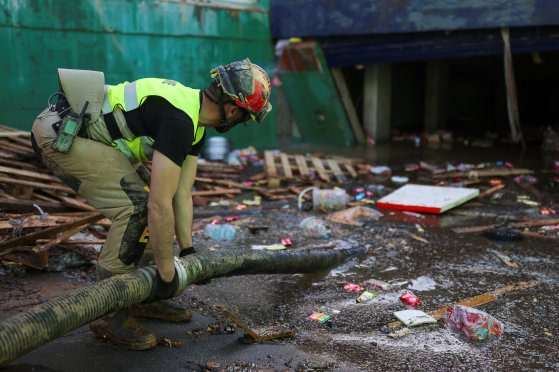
{"type": "Point", "coordinates": [458, 266]}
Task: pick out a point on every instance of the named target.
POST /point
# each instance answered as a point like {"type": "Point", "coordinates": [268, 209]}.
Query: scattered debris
{"type": "Point", "coordinates": [409, 298]}
{"type": "Point", "coordinates": [351, 287]}
{"type": "Point", "coordinates": [356, 216]}
{"type": "Point", "coordinates": [475, 324]}
{"type": "Point", "coordinates": [423, 283]}
{"type": "Point", "coordinates": [166, 342]}
{"type": "Point", "coordinates": [506, 260]}
{"type": "Point", "coordinates": [378, 284]}
{"type": "Point", "coordinates": [365, 297]}
{"type": "Point", "coordinates": [412, 318]}
{"type": "Point", "coordinates": [220, 231]}
{"type": "Point", "coordinates": [324, 200]}
{"type": "Point", "coordinates": [320, 317]}
{"type": "Point", "coordinates": [315, 227]}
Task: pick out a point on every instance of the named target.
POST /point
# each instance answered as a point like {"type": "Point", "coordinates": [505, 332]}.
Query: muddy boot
{"type": "Point", "coordinates": [123, 330]}
{"type": "Point", "coordinates": [162, 310]}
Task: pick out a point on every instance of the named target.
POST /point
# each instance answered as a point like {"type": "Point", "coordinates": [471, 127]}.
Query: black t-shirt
{"type": "Point", "coordinates": [171, 129]}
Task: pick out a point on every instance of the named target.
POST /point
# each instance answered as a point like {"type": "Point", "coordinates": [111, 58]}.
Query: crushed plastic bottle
{"type": "Point", "coordinates": [474, 323]}
{"type": "Point", "coordinates": [315, 227]}
{"type": "Point", "coordinates": [220, 232]}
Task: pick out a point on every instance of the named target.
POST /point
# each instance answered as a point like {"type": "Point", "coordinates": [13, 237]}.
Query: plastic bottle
{"type": "Point", "coordinates": [325, 199]}
{"type": "Point", "coordinates": [220, 231]}
{"type": "Point", "coordinates": [315, 227]}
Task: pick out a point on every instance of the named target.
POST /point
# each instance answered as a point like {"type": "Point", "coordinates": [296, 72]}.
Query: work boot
{"type": "Point", "coordinates": [162, 310]}
{"type": "Point", "coordinates": [123, 330]}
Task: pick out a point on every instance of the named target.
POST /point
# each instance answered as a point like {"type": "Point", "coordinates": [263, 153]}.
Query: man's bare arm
{"type": "Point", "coordinates": [164, 181]}
{"type": "Point", "coordinates": [182, 202]}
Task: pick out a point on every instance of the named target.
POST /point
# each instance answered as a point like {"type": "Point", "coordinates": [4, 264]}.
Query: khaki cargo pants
{"type": "Point", "coordinates": [109, 182]}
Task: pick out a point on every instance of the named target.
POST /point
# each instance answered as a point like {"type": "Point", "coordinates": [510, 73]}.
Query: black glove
{"type": "Point", "coordinates": [162, 290]}
{"type": "Point", "coordinates": [186, 251]}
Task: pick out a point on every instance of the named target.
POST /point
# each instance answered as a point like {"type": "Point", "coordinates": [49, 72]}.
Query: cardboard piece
{"type": "Point", "coordinates": [427, 199]}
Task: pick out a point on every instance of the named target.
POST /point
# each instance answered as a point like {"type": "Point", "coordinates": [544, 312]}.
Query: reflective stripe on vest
{"type": "Point", "coordinates": [129, 96]}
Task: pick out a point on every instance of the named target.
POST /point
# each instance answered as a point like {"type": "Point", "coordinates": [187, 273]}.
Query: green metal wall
{"type": "Point", "coordinates": [127, 39]}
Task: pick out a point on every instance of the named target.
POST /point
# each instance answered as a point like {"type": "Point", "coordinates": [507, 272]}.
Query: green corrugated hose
{"type": "Point", "coordinates": [32, 328]}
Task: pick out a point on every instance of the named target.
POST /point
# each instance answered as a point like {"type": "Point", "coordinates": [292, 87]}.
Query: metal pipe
{"type": "Point", "coordinates": [32, 328]}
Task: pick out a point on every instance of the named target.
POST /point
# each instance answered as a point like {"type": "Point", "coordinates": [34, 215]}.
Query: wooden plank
{"type": "Point", "coordinates": [5, 195]}
{"type": "Point", "coordinates": [27, 205]}
{"type": "Point", "coordinates": [350, 170]}
{"type": "Point", "coordinates": [74, 203]}
{"type": "Point", "coordinates": [320, 169]}
{"type": "Point", "coordinates": [75, 241]}
{"type": "Point", "coordinates": [491, 191]}
{"type": "Point", "coordinates": [336, 169]}
{"type": "Point", "coordinates": [302, 166]}
{"type": "Point", "coordinates": [286, 167]}
{"type": "Point", "coordinates": [28, 173]}
{"type": "Point", "coordinates": [17, 148]}
{"type": "Point", "coordinates": [31, 237]}
{"type": "Point", "coordinates": [503, 257]}
{"type": "Point", "coordinates": [39, 185]}
{"type": "Point", "coordinates": [15, 134]}
{"type": "Point", "coordinates": [8, 155]}
{"type": "Point", "coordinates": [236, 185]}
{"type": "Point", "coordinates": [352, 116]}
{"type": "Point", "coordinates": [270, 164]}
{"type": "Point", "coordinates": [21, 165]}
{"type": "Point", "coordinates": [68, 233]}
{"type": "Point", "coordinates": [493, 172]}
{"type": "Point", "coordinates": [216, 192]}
{"type": "Point", "coordinates": [474, 229]}
{"type": "Point", "coordinates": [49, 221]}
{"type": "Point", "coordinates": [35, 260]}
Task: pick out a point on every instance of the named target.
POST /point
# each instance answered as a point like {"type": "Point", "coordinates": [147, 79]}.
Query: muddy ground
{"type": "Point", "coordinates": [456, 266]}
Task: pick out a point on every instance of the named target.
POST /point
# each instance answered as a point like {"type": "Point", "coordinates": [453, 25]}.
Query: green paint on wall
{"type": "Point", "coordinates": [127, 40]}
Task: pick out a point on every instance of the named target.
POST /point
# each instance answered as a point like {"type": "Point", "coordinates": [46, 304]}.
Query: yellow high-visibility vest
{"type": "Point", "coordinates": [129, 96]}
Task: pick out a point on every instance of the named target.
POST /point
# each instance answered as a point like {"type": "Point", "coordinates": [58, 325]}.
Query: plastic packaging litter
{"type": "Point", "coordinates": [230, 218]}
{"type": "Point", "coordinates": [352, 287]}
{"type": "Point", "coordinates": [315, 227]}
{"type": "Point", "coordinates": [547, 211]}
{"type": "Point", "coordinates": [319, 317]}
{"type": "Point", "coordinates": [355, 216]}
{"type": "Point", "coordinates": [380, 170]}
{"type": "Point", "coordinates": [220, 231]}
{"type": "Point", "coordinates": [399, 179]}
{"type": "Point", "coordinates": [378, 190]}
{"type": "Point", "coordinates": [474, 323]}
{"type": "Point", "coordinates": [410, 299]}
{"type": "Point", "coordinates": [365, 297]}
{"type": "Point", "coordinates": [377, 284]}
{"type": "Point", "coordinates": [286, 242]}
{"type": "Point", "coordinates": [325, 199]}
{"type": "Point", "coordinates": [216, 148]}
{"type": "Point", "coordinates": [412, 318]}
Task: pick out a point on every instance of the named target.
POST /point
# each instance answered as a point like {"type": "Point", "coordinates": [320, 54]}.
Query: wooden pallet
{"type": "Point", "coordinates": [292, 167]}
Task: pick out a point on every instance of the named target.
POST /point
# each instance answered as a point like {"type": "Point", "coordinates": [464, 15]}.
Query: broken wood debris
{"type": "Point", "coordinates": [304, 168]}
{"type": "Point", "coordinates": [252, 333]}
{"type": "Point", "coordinates": [532, 222]}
